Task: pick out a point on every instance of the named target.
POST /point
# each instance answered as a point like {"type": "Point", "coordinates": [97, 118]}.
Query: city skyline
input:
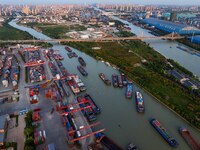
{"type": "Point", "coordinates": [147, 2]}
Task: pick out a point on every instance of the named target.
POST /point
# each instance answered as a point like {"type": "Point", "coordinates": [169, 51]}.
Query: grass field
{"type": "Point", "coordinates": [9, 33]}
{"type": "Point", "coordinates": [56, 31]}
{"type": "Point", "coordinates": [127, 56]}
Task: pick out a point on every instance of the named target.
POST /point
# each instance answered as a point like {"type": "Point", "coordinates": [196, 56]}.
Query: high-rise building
{"type": "Point", "coordinates": [26, 10]}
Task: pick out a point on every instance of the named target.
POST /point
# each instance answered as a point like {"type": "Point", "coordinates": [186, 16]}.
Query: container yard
{"type": "Point", "coordinates": [34, 65]}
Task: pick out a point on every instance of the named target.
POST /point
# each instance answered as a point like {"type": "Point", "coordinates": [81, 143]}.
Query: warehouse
{"type": "Point", "coordinates": [196, 39]}
{"type": "Point", "coordinates": [170, 27]}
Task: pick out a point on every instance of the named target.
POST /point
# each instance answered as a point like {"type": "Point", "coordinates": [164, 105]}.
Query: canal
{"type": "Point", "coordinates": [168, 49]}
{"type": "Point", "coordinates": [123, 124]}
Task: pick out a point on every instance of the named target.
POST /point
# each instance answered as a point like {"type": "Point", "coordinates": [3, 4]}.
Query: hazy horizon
{"type": "Point", "coordinates": [142, 2]}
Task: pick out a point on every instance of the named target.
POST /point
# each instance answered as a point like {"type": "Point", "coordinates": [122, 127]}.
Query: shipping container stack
{"type": "Point", "coordinates": [36, 73]}
{"type": "Point", "coordinates": [15, 72]}
{"type": "Point", "coordinates": [6, 71]}
{"type": "Point", "coordinates": [67, 121]}
{"type": "Point", "coordinates": [53, 93]}
{"type": "Point", "coordinates": [33, 94]}
{"type": "Point", "coordinates": [2, 60]}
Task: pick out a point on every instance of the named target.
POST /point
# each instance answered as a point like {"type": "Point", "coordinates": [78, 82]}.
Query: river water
{"type": "Point", "coordinates": [119, 116]}
{"type": "Point", "coordinates": [169, 49]}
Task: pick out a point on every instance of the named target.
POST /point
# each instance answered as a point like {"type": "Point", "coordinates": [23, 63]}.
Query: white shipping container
{"type": "Point", "coordinates": [5, 83]}
{"type": "Point", "coordinates": [14, 83]}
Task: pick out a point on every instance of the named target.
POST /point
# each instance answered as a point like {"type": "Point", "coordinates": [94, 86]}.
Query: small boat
{"type": "Point", "coordinates": [124, 80]}
{"type": "Point", "coordinates": [82, 70]}
{"type": "Point", "coordinates": [115, 80]}
{"type": "Point", "coordinates": [163, 132]}
{"type": "Point", "coordinates": [194, 145]}
{"type": "Point", "coordinates": [132, 146]}
{"type": "Point", "coordinates": [81, 61]}
{"type": "Point", "coordinates": [139, 102]}
{"type": "Point", "coordinates": [129, 89]}
{"type": "Point", "coordinates": [74, 54]}
{"type": "Point", "coordinates": [105, 80]}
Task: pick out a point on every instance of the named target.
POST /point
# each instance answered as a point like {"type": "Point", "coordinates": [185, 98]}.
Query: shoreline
{"type": "Point", "coordinates": [128, 74]}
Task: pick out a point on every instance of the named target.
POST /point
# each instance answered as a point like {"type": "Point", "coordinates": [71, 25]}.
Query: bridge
{"type": "Point", "coordinates": [107, 39]}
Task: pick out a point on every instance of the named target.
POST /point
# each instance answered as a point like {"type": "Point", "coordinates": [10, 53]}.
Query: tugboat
{"type": "Point", "coordinates": [194, 145]}
{"type": "Point", "coordinates": [82, 70]}
{"type": "Point", "coordinates": [163, 132]}
{"type": "Point", "coordinates": [139, 102]}
{"type": "Point", "coordinates": [115, 80]}
{"type": "Point", "coordinates": [132, 146]}
{"type": "Point", "coordinates": [105, 80]}
{"type": "Point", "coordinates": [81, 61]}
{"type": "Point", "coordinates": [129, 90]}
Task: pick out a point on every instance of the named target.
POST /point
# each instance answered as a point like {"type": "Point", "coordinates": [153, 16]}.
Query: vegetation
{"type": "Point", "coordinates": [8, 145]}
{"type": "Point", "coordinates": [54, 30]}
{"type": "Point", "coordinates": [29, 132]}
{"type": "Point", "coordinates": [150, 75]}
{"type": "Point", "coordinates": [175, 64]}
{"type": "Point", "coordinates": [7, 32]}
{"type": "Point", "coordinates": [122, 33]}
{"type": "Point", "coordinates": [189, 43]}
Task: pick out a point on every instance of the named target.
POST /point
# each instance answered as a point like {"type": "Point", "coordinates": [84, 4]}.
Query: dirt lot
{"type": "Point", "coordinates": [16, 134]}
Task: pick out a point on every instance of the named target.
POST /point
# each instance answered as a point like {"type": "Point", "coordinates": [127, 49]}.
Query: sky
{"type": "Point", "coordinates": [147, 2]}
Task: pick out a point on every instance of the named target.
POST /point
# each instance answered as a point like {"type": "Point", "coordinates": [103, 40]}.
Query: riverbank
{"type": "Point", "coordinates": [184, 41]}
{"type": "Point", "coordinates": [54, 30]}
{"type": "Point", "coordinates": [147, 75]}
{"type": "Point", "coordinates": [7, 32]}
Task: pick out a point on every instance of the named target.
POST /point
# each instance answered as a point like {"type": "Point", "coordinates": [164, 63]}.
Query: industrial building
{"type": "Point", "coordinates": [196, 39]}
{"type": "Point", "coordinates": [170, 27]}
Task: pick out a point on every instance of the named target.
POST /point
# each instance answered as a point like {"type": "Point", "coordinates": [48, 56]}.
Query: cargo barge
{"type": "Point", "coordinates": [73, 86]}
{"type": "Point", "coordinates": [95, 108]}
{"type": "Point", "coordinates": [81, 61]}
{"type": "Point", "coordinates": [64, 86]}
{"type": "Point", "coordinates": [115, 80]}
{"type": "Point", "coordinates": [106, 141]}
{"type": "Point", "coordinates": [70, 55]}
{"type": "Point", "coordinates": [68, 49]}
{"type": "Point", "coordinates": [120, 82]}
{"type": "Point", "coordinates": [124, 79]}
{"type": "Point", "coordinates": [139, 102]}
{"type": "Point", "coordinates": [163, 132]}
{"type": "Point", "coordinates": [194, 145]}
{"type": "Point", "coordinates": [129, 90]}
{"type": "Point", "coordinates": [74, 54]}
{"type": "Point", "coordinates": [88, 112]}
{"type": "Point", "coordinates": [105, 80]}
{"type": "Point", "coordinates": [82, 70]}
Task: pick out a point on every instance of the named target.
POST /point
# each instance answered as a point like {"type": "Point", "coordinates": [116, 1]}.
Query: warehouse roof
{"type": "Point", "coordinates": [196, 39]}
{"type": "Point", "coordinates": [169, 26]}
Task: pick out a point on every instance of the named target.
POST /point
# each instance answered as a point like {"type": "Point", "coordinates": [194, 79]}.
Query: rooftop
{"type": "Point", "coordinates": [169, 26]}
